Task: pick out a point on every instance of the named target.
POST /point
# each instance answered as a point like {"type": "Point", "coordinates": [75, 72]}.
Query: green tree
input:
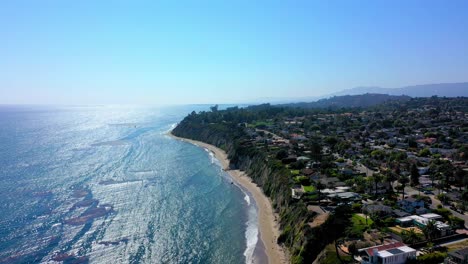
{"type": "Point", "coordinates": [410, 236]}
{"type": "Point", "coordinates": [430, 231]}
{"type": "Point", "coordinates": [425, 152]}
{"type": "Point", "coordinates": [352, 249]}
{"type": "Point", "coordinates": [282, 154]}
{"type": "Point", "coordinates": [433, 176]}
{"type": "Point", "coordinates": [378, 178]}
{"type": "Point", "coordinates": [414, 175]}
{"type": "Point", "coordinates": [214, 108]}
{"type": "Point", "coordinates": [390, 177]}
{"type": "Point", "coordinates": [403, 180]}
{"type": "Point", "coordinates": [319, 186]}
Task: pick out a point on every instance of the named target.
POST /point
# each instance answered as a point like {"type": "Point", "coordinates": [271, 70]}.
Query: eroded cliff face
{"type": "Point", "coordinates": [303, 242]}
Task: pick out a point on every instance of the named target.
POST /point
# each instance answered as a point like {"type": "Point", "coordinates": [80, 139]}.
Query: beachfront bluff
{"type": "Point", "coordinates": [321, 166]}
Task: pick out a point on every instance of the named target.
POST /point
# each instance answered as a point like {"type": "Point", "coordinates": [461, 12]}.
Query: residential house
{"type": "Point", "coordinates": [382, 188]}
{"type": "Point", "coordinates": [393, 253]}
{"type": "Point", "coordinates": [412, 205]}
{"type": "Point", "coordinates": [297, 192]}
{"type": "Point", "coordinates": [377, 209]}
{"type": "Point", "coordinates": [457, 257]}
{"type": "Point", "coordinates": [345, 196]}
{"type": "Point", "coordinates": [422, 220]}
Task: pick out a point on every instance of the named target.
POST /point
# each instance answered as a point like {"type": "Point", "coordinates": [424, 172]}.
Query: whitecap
{"type": "Point", "coordinates": [247, 199]}
{"type": "Point", "coordinates": [251, 234]}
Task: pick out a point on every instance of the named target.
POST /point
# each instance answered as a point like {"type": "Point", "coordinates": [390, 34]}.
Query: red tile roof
{"type": "Point", "coordinates": [427, 140]}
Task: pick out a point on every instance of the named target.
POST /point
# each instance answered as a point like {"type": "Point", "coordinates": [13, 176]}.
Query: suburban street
{"type": "Point", "coordinates": [435, 202]}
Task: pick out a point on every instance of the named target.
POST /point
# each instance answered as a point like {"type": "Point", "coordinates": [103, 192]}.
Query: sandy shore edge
{"type": "Point", "coordinates": [268, 225]}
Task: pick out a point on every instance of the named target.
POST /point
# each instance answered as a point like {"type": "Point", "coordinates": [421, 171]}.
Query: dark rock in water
{"type": "Point", "coordinates": [89, 215]}
{"type": "Point", "coordinates": [114, 243]}
{"type": "Point", "coordinates": [70, 258]}
{"type": "Point", "coordinates": [108, 182]}
{"type": "Point", "coordinates": [62, 257]}
{"type": "Point", "coordinates": [78, 193]}
{"type": "Point", "coordinates": [85, 203]}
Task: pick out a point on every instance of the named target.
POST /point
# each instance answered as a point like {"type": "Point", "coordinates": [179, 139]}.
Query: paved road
{"type": "Point", "coordinates": [435, 202]}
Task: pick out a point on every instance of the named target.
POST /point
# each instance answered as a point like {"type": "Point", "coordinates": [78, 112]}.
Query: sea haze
{"type": "Point", "coordinates": [107, 185]}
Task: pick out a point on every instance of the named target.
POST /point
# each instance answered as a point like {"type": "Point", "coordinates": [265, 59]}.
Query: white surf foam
{"type": "Point", "coordinates": [170, 128]}
{"type": "Point", "coordinates": [251, 233]}
{"type": "Point", "coordinates": [247, 199]}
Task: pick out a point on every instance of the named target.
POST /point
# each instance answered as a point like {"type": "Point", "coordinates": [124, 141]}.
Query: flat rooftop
{"type": "Point", "coordinates": [395, 251]}
{"type": "Point", "coordinates": [431, 216]}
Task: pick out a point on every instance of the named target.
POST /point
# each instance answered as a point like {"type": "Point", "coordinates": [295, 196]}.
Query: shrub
{"type": "Point", "coordinates": [432, 258]}
{"type": "Point", "coordinates": [357, 207]}
{"type": "Point", "coordinates": [444, 212]}
{"type": "Point", "coordinates": [456, 222]}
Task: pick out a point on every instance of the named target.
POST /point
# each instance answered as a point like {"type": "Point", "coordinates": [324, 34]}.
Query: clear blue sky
{"type": "Point", "coordinates": [154, 52]}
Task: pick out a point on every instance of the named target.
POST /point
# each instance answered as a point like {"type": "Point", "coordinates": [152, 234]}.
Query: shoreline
{"type": "Point", "coordinates": [268, 225]}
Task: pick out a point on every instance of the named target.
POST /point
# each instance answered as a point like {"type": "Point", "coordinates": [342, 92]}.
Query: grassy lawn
{"type": "Point", "coordinates": [398, 229]}
{"type": "Point", "coordinates": [331, 257]}
{"type": "Point", "coordinates": [300, 179]}
{"type": "Point", "coordinates": [295, 172]}
{"type": "Point", "coordinates": [457, 246]}
{"type": "Point", "coordinates": [359, 223]}
{"type": "Point", "coordinates": [309, 189]}
{"type": "Point", "coordinates": [313, 197]}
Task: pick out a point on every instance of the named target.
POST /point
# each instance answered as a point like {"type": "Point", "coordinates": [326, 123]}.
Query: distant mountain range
{"type": "Point", "coordinates": [351, 101]}
{"type": "Point", "coordinates": [425, 90]}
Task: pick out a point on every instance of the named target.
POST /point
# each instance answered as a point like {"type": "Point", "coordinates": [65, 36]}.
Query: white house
{"type": "Point", "coordinates": [297, 192]}
{"type": "Point", "coordinates": [393, 253]}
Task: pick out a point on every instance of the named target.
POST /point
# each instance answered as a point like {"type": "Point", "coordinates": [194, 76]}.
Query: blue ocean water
{"type": "Point", "coordinates": [105, 184]}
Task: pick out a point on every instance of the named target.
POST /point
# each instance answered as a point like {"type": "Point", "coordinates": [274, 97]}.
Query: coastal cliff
{"type": "Point", "coordinates": [222, 129]}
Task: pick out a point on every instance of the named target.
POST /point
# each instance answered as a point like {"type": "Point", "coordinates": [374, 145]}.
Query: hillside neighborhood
{"type": "Point", "coordinates": [403, 172]}
{"type": "Point", "coordinates": [401, 167]}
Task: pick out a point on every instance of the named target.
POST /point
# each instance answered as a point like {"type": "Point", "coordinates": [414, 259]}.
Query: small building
{"type": "Point", "coordinates": [432, 216]}
{"type": "Point", "coordinates": [289, 159]}
{"type": "Point", "coordinates": [404, 221]}
{"type": "Point", "coordinates": [399, 213]}
{"type": "Point", "coordinates": [345, 196]}
{"type": "Point", "coordinates": [297, 192]}
{"type": "Point", "coordinates": [412, 205]}
{"type": "Point", "coordinates": [421, 222]}
{"type": "Point", "coordinates": [377, 209]}
{"type": "Point", "coordinates": [393, 253]}
{"type": "Point", "coordinates": [457, 257]}
{"type": "Point", "coordinates": [307, 172]}
{"type": "Point", "coordinates": [303, 158]}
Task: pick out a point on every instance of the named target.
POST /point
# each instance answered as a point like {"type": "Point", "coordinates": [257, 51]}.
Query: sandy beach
{"type": "Point", "coordinates": [268, 226]}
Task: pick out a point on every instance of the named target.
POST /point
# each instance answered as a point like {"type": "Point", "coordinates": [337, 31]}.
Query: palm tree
{"type": "Point", "coordinates": [378, 178]}
{"type": "Point", "coordinates": [390, 177]}
{"type": "Point", "coordinates": [403, 181]}
{"type": "Point", "coordinates": [370, 183]}
{"type": "Point", "coordinates": [433, 177]}
{"type": "Point", "coordinates": [430, 231]}
{"type": "Point", "coordinates": [410, 237]}
{"type": "Point", "coordinates": [414, 175]}
{"type": "Point", "coordinates": [320, 186]}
